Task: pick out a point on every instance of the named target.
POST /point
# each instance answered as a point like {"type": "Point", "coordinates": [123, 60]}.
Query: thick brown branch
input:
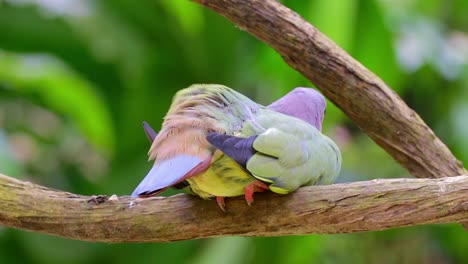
{"type": "Point", "coordinates": [339, 208]}
{"type": "Point", "coordinates": [365, 98]}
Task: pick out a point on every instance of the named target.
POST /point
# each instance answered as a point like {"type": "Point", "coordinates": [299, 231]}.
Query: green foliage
{"type": "Point", "coordinates": [61, 90]}
{"type": "Point", "coordinates": [78, 77]}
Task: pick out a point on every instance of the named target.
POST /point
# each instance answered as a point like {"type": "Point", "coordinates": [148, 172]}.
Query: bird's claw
{"type": "Point", "coordinates": [252, 188]}
{"type": "Point", "coordinates": [256, 186]}
{"type": "Point", "coordinates": [221, 203]}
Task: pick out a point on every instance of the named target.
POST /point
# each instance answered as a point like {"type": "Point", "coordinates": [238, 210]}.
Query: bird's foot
{"type": "Point", "coordinates": [221, 203]}
{"type": "Point", "coordinates": [256, 186]}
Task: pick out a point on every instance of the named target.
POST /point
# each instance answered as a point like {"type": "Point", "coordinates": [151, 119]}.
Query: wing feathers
{"type": "Point", "coordinates": [167, 173]}
{"type": "Point", "coordinates": [239, 149]}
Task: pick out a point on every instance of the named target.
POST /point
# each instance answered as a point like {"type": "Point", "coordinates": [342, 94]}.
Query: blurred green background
{"type": "Point", "coordinates": [78, 77]}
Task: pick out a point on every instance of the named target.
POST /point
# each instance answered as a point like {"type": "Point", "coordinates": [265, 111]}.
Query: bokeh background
{"type": "Point", "coordinates": [78, 77]}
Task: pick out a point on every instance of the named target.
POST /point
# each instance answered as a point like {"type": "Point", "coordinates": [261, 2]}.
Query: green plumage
{"type": "Point", "coordinates": [289, 150]}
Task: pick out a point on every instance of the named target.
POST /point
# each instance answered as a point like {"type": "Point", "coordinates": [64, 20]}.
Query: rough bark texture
{"type": "Point", "coordinates": [339, 208]}
{"type": "Point", "coordinates": [365, 98]}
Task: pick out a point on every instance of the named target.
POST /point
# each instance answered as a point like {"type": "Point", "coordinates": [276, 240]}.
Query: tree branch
{"type": "Point", "coordinates": [365, 98]}
{"type": "Point", "coordinates": [339, 208]}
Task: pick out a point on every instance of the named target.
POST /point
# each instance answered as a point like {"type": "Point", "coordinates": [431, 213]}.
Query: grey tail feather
{"type": "Point", "coordinates": [237, 148]}
{"type": "Point", "coordinates": [165, 174]}
{"type": "Point", "coordinates": [149, 131]}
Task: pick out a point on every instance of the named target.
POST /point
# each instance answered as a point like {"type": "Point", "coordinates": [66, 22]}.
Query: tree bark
{"type": "Point", "coordinates": [339, 208]}
{"type": "Point", "coordinates": [365, 98]}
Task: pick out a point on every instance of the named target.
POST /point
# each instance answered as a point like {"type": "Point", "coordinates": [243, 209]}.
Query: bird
{"type": "Point", "coordinates": [217, 143]}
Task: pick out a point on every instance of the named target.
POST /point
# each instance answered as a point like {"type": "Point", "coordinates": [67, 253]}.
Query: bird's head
{"type": "Point", "coordinates": [303, 103]}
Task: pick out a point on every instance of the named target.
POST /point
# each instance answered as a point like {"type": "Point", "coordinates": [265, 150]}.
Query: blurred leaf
{"type": "Point", "coordinates": [62, 90]}
{"type": "Point", "coordinates": [8, 165]}
{"type": "Point", "coordinates": [226, 250]}
{"type": "Point", "coordinates": [373, 44]}
{"type": "Point", "coordinates": [276, 74]}
{"type": "Point", "coordinates": [453, 240]}
{"type": "Point", "coordinates": [336, 19]}
{"type": "Point", "coordinates": [188, 15]}
{"type": "Point", "coordinates": [301, 249]}
{"type": "Point", "coordinates": [458, 120]}
{"type": "Point", "coordinates": [52, 252]}
{"type": "Point", "coordinates": [457, 14]}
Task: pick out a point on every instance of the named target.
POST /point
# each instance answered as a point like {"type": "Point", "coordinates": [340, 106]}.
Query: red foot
{"type": "Point", "coordinates": [221, 203]}
{"type": "Point", "coordinates": [256, 186]}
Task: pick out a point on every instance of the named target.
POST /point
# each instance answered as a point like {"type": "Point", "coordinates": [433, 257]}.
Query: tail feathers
{"type": "Point", "coordinates": [239, 149]}
{"type": "Point", "coordinates": [168, 173]}
{"type": "Point", "coordinates": [149, 131]}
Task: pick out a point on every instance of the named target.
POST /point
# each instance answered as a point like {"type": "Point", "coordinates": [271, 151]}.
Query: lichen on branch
{"type": "Point", "coordinates": [339, 208]}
